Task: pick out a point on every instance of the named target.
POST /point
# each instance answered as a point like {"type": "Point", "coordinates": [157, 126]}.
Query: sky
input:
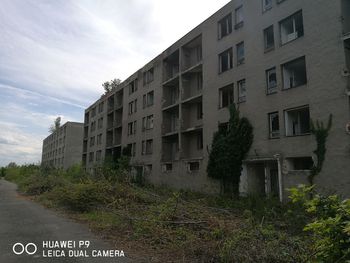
{"type": "Point", "coordinates": [54, 56]}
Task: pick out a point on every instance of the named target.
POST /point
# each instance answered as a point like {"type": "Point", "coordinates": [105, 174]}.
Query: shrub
{"type": "Point", "coordinates": [330, 225]}
{"type": "Point", "coordinates": [38, 184]}
{"type": "Point", "coordinates": [82, 196]}
{"type": "Point", "coordinates": [262, 244]}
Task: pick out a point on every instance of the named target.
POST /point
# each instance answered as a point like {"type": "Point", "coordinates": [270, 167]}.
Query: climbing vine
{"type": "Point", "coordinates": [229, 149]}
{"type": "Point", "coordinates": [321, 133]}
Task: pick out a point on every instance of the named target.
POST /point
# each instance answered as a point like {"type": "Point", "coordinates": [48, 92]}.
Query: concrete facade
{"type": "Point", "coordinates": [282, 62]}
{"type": "Point", "coordinates": [63, 148]}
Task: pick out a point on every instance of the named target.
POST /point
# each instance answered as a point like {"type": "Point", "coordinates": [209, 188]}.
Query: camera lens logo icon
{"type": "Point", "coordinates": [29, 248]}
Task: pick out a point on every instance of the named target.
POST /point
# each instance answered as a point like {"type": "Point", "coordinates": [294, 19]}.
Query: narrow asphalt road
{"type": "Point", "coordinates": [24, 221]}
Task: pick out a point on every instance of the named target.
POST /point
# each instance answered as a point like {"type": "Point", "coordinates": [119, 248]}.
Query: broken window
{"type": "Point", "coordinates": [193, 166]}
{"type": "Point", "coordinates": [267, 4]}
{"type": "Point", "coordinates": [226, 96]}
{"type": "Point", "coordinates": [274, 125]}
{"type": "Point", "coordinates": [98, 155]}
{"type": "Point", "coordinates": [147, 147]}
{"type": "Point", "coordinates": [271, 80]}
{"type": "Point", "coordinates": [100, 107]}
{"type": "Point", "coordinates": [148, 76]}
{"type": "Point", "coordinates": [241, 91]}
{"type": "Point", "coordinates": [294, 73]}
{"type": "Point", "coordinates": [291, 28]}
{"type": "Point", "coordinates": [131, 149]}
{"type": "Point", "coordinates": [133, 107]}
{"type": "Point", "coordinates": [93, 126]}
{"type": "Point", "coordinates": [240, 53]}
{"type": "Point", "coordinates": [269, 39]}
{"type": "Point", "coordinates": [91, 157]}
{"type": "Point", "coordinates": [147, 122]}
{"type": "Point", "coordinates": [148, 99]}
{"type": "Point", "coordinates": [167, 167]}
{"type": "Point", "coordinates": [225, 26]}
{"type": "Point", "coordinates": [297, 121]}
{"type": "Point", "coordinates": [225, 60]}
{"type": "Point", "coordinates": [99, 139]}
{"type": "Point", "coordinates": [131, 128]}
{"type": "Point", "coordinates": [148, 169]}
{"type": "Point", "coordinates": [133, 86]}
{"type": "Point", "coordinates": [100, 123]}
{"type": "Point", "coordinates": [239, 17]}
{"type": "Point", "coordinates": [300, 163]}
{"type": "Point", "coordinates": [93, 112]}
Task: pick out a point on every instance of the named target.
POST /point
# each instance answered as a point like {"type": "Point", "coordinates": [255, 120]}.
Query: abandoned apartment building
{"type": "Point", "coordinates": [63, 148]}
{"type": "Point", "coordinates": [283, 62]}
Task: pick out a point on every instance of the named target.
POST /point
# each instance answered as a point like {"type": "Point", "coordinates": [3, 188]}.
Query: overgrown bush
{"type": "Point", "coordinates": [82, 196]}
{"type": "Point", "coordinates": [330, 225]}
{"type": "Point", "coordinates": [256, 243]}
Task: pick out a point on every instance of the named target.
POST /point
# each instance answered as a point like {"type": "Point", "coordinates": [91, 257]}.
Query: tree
{"type": "Point", "coordinates": [12, 165]}
{"type": "Point", "coordinates": [2, 172]}
{"type": "Point", "coordinates": [229, 149]}
{"type": "Point", "coordinates": [115, 83]}
{"type": "Point", "coordinates": [57, 124]}
{"type": "Point", "coordinates": [109, 85]}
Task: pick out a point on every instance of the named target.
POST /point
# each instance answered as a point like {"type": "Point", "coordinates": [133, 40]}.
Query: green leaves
{"type": "Point", "coordinates": [229, 148]}
{"type": "Point", "coordinates": [321, 133]}
{"type": "Point", "coordinates": [330, 225]}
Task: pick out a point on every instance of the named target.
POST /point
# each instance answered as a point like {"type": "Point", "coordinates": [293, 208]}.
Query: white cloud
{"type": "Point", "coordinates": [54, 56]}
{"type": "Point", "coordinates": [17, 145]}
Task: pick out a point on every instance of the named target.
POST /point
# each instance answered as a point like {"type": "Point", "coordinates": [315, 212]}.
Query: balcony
{"type": "Point", "coordinates": [192, 115]}
{"type": "Point", "coordinates": [85, 142]}
{"type": "Point", "coordinates": [119, 100]}
{"type": "Point", "coordinates": [109, 139]}
{"type": "Point", "coordinates": [117, 137]}
{"type": "Point", "coordinates": [118, 119]}
{"type": "Point", "coordinates": [192, 85]}
{"type": "Point", "coordinates": [192, 145]}
{"type": "Point", "coordinates": [170, 149]}
{"type": "Point", "coordinates": [171, 67]}
{"type": "Point", "coordinates": [110, 118]}
{"type": "Point", "coordinates": [171, 123]}
{"type": "Point", "coordinates": [110, 103]}
{"type": "Point", "coordinates": [170, 95]}
{"type": "Point", "coordinates": [192, 54]}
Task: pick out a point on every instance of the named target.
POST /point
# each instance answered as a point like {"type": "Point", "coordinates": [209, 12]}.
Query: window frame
{"type": "Point", "coordinates": [241, 98]}
{"type": "Point", "coordinates": [274, 134]}
{"type": "Point", "coordinates": [292, 16]}
{"type": "Point", "coordinates": [286, 126]}
{"type": "Point", "coordinates": [239, 24]}
{"type": "Point", "coordinates": [222, 90]}
{"type": "Point", "coordinates": [265, 31]}
{"type": "Point", "coordinates": [229, 26]}
{"type": "Point", "coordinates": [229, 53]}
{"type": "Point", "coordinates": [283, 73]}
{"type": "Point", "coordinates": [271, 89]}
{"type": "Point", "coordinates": [240, 61]}
{"type": "Point", "coordinates": [266, 7]}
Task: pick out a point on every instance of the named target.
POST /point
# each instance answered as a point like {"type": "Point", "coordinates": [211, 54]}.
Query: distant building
{"type": "Point", "coordinates": [284, 62]}
{"type": "Point", "coordinates": [63, 148]}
